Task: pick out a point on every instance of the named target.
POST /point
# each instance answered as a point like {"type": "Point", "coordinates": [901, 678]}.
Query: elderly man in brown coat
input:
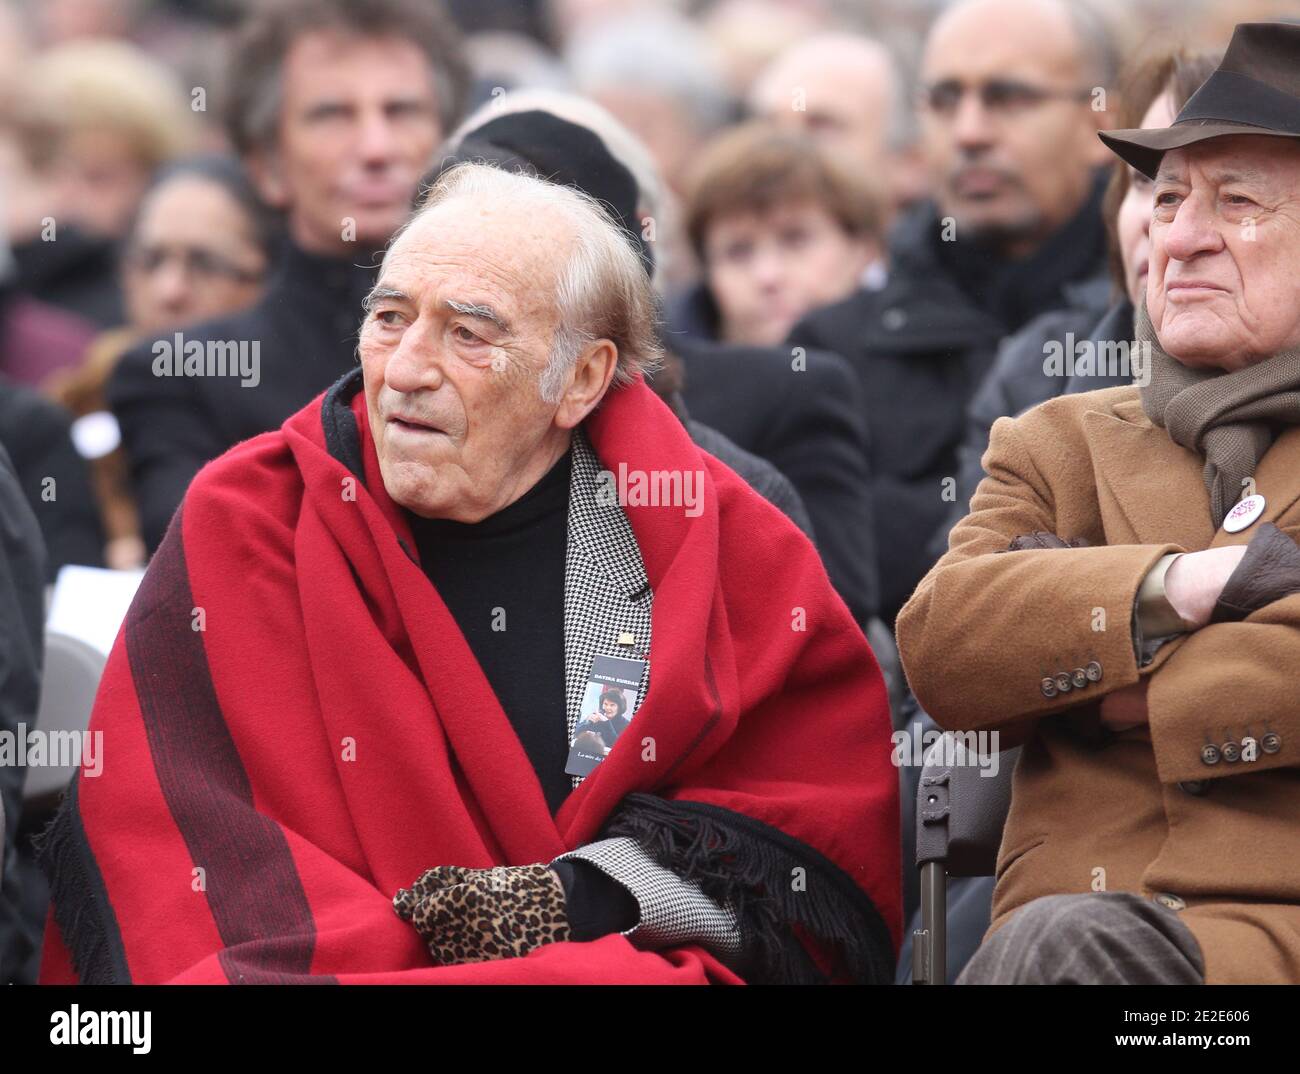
{"type": "Point", "coordinates": [1124, 596]}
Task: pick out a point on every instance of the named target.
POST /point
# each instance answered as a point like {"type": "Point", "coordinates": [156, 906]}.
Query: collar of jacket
{"type": "Point", "coordinates": [1097, 293]}
{"type": "Point", "coordinates": [693, 312]}
{"type": "Point", "coordinates": [934, 278]}
{"type": "Point", "coordinates": [36, 264]}
{"type": "Point", "coordinates": [1115, 324]}
{"type": "Point", "coordinates": [336, 286]}
{"type": "Point", "coordinates": [601, 530]}
{"type": "Point", "coordinates": [916, 313]}
{"type": "Point", "coordinates": [1174, 509]}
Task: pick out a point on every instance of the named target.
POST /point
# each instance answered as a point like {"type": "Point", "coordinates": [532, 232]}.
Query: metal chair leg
{"type": "Point", "coordinates": [930, 941]}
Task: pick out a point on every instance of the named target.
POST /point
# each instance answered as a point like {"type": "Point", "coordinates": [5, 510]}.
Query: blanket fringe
{"type": "Point", "coordinates": [75, 896]}
{"type": "Point", "coordinates": [740, 861]}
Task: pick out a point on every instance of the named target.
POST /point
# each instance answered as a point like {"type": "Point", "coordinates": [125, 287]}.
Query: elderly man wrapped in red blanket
{"type": "Point", "coordinates": [339, 720]}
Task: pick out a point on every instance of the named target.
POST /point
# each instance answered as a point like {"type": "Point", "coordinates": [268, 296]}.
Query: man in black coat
{"type": "Point", "coordinates": [804, 414]}
{"type": "Point", "coordinates": [1010, 136]}
{"type": "Point", "coordinates": [1024, 375]}
{"type": "Point", "coordinates": [21, 646]}
{"type": "Point", "coordinates": [54, 478]}
{"type": "Point", "coordinates": [365, 89]}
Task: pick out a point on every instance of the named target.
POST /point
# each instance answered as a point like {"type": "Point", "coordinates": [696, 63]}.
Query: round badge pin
{"type": "Point", "coordinates": [1244, 513]}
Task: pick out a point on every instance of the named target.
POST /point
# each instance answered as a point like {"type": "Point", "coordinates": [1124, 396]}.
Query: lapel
{"type": "Point", "coordinates": [1150, 490]}
{"type": "Point", "coordinates": [1277, 479]}
{"type": "Point", "coordinates": [606, 590]}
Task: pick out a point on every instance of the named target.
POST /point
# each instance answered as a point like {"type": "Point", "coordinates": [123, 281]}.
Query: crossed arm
{"type": "Point", "coordinates": [988, 638]}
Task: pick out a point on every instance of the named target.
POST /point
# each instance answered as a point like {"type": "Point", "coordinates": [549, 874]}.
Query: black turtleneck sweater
{"type": "Point", "coordinates": [303, 334]}
{"type": "Point", "coordinates": [507, 571]}
{"type": "Point", "coordinates": [502, 579]}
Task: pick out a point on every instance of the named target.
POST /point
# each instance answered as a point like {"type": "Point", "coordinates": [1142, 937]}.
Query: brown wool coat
{"type": "Point", "coordinates": [1140, 811]}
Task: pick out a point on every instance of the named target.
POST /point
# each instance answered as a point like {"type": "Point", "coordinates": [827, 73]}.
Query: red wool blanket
{"type": "Point", "coordinates": [294, 727]}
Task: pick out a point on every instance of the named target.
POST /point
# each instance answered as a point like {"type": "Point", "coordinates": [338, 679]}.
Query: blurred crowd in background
{"type": "Point", "coordinates": [786, 138]}
{"type": "Point", "coordinates": [908, 202]}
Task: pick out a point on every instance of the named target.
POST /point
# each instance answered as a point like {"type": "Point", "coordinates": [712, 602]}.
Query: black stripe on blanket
{"type": "Point", "coordinates": [253, 889]}
{"type": "Point", "coordinates": [738, 860]}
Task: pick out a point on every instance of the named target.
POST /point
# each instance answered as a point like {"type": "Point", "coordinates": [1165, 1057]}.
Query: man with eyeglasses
{"type": "Point", "coordinates": [1013, 93]}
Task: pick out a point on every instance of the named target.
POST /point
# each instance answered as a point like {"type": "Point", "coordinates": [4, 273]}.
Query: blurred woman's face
{"type": "Point", "coordinates": [765, 271]}
{"type": "Point", "coordinates": [192, 256]}
{"type": "Point", "coordinates": [98, 180]}
{"type": "Point", "coordinates": [1134, 222]}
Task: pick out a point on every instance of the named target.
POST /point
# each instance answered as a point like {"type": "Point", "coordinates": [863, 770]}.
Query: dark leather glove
{"type": "Point", "coordinates": [1269, 571]}
{"type": "Point", "coordinates": [473, 915]}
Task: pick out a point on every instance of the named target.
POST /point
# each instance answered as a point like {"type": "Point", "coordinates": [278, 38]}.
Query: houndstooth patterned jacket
{"type": "Point", "coordinates": [607, 597]}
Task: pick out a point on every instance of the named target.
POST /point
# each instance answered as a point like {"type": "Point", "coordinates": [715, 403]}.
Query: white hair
{"type": "Point", "coordinates": [601, 291]}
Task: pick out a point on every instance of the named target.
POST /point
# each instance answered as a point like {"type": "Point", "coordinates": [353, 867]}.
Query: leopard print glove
{"type": "Point", "coordinates": [472, 915]}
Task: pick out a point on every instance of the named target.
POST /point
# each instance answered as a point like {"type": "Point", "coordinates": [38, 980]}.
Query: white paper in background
{"type": "Point", "coordinates": [90, 603]}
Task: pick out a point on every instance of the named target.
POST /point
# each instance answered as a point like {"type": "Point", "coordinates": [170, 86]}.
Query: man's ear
{"type": "Point", "coordinates": [589, 380]}
{"type": "Point", "coordinates": [264, 169]}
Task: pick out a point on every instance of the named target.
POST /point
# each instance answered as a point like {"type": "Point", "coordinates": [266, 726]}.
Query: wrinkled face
{"type": "Point", "coordinates": [458, 333]}
{"type": "Point", "coordinates": [1134, 221]}
{"type": "Point", "coordinates": [1224, 286]}
{"type": "Point", "coordinates": [1009, 132]}
{"type": "Point", "coordinates": [767, 270]}
{"type": "Point", "coordinates": [192, 256]}
{"type": "Point", "coordinates": [358, 124]}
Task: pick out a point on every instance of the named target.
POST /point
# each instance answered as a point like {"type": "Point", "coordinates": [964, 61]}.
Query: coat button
{"type": "Point", "coordinates": [1231, 752]}
{"type": "Point", "coordinates": [1170, 902]}
{"type": "Point", "coordinates": [1048, 686]}
{"type": "Point", "coordinates": [1079, 678]}
{"type": "Point", "coordinates": [1093, 671]}
{"type": "Point", "coordinates": [1063, 682]}
{"type": "Point", "coordinates": [1270, 742]}
{"type": "Point", "coordinates": [893, 318]}
{"type": "Point", "coordinates": [1209, 754]}
{"type": "Point", "coordinates": [1195, 787]}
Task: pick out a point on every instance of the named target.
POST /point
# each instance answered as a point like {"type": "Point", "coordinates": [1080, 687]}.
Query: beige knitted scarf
{"type": "Point", "coordinates": [1229, 418]}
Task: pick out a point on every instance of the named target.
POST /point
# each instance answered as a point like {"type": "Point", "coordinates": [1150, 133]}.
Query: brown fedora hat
{"type": "Point", "coordinates": [1255, 90]}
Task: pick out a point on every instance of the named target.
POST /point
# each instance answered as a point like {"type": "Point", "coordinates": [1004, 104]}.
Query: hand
{"type": "Point", "coordinates": [472, 915]}
{"type": "Point", "coordinates": [1196, 579]}
{"type": "Point", "coordinates": [1127, 707]}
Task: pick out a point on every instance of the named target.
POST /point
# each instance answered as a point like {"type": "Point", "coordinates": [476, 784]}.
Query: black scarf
{"type": "Point", "coordinates": [1015, 291]}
